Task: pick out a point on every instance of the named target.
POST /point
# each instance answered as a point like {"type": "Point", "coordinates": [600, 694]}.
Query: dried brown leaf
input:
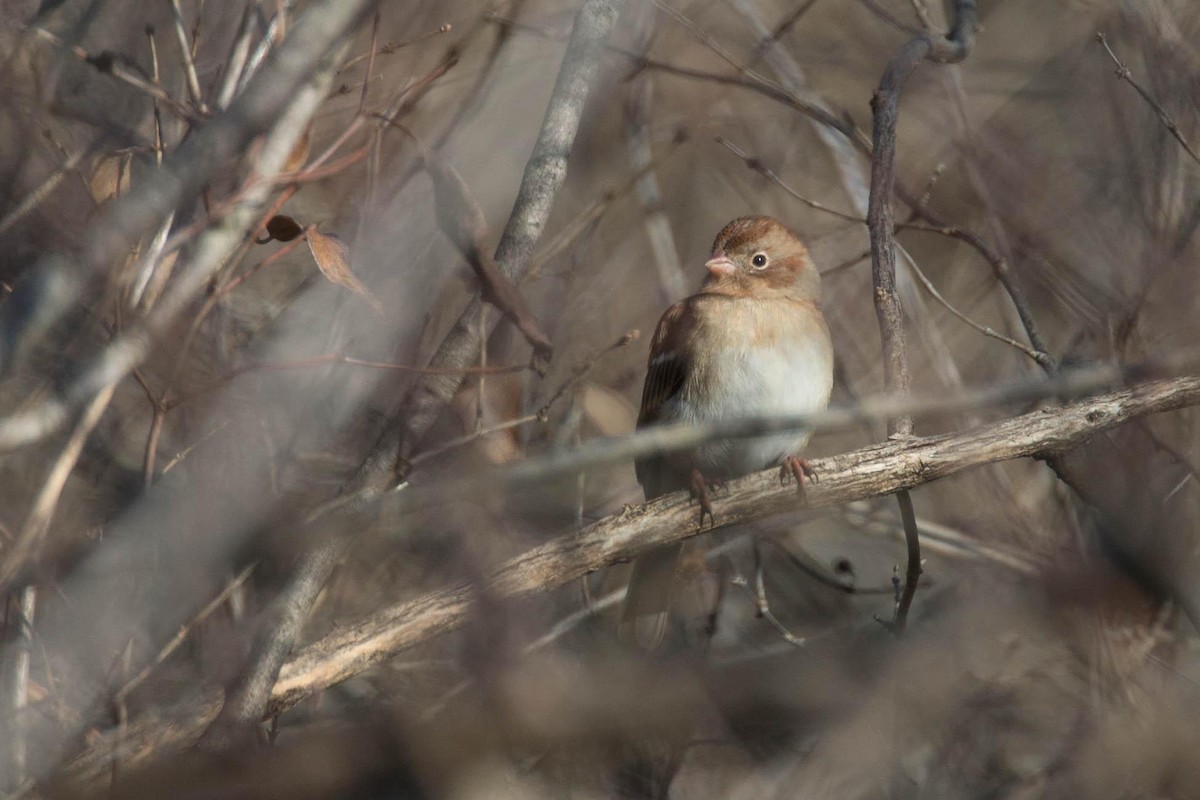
{"type": "Point", "coordinates": [333, 259]}
{"type": "Point", "coordinates": [110, 176]}
{"type": "Point", "coordinates": [299, 155]}
{"type": "Point", "coordinates": [609, 412]}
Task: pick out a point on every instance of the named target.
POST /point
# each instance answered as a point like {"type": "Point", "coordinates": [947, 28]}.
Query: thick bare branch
{"type": "Point", "coordinates": [871, 472]}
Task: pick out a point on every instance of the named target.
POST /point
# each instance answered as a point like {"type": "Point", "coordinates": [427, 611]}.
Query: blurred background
{"type": "Point", "coordinates": [1044, 657]}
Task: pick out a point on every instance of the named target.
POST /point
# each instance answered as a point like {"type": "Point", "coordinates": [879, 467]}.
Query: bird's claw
{"type": "Point", "coordinates": [700, 492]}
{"type": "Point", "coordinates": [798, 468]}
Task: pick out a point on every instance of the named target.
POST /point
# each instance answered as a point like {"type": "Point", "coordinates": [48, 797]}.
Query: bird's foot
{"type": "Point", "coordinates": [701, 489]}
{"type": "Point", "coordinates": [798, 468]}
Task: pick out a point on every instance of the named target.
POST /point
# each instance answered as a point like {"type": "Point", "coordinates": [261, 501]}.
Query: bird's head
{"type": "Point", "coordinates": [760, 256]}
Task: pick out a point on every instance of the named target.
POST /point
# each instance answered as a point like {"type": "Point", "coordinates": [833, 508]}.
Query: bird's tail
{"type": "Point", "coordinates": [648, 599]}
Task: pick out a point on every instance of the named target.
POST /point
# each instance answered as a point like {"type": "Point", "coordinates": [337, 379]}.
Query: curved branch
{"type": "Point", "coordinates": [886, 107]}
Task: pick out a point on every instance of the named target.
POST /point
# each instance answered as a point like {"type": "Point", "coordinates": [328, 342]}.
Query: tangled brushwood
{"type": "Point", "coordinates": [323, 328]}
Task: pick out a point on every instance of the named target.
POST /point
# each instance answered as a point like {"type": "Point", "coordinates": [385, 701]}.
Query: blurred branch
{"type": "Point", "coordinates": [210, 253]}
{"type": "Point", "coordinates": [572, 230]}
{"type": "Point", "coordinates": [922, 14]}
{"type": "Point", "coordinates": [544, 174]}
{"type": "Point", "coordinates": [1123, 73]}
{"type": "Point", "coordinates": [115, 65]}
{"type": "Point", "coordinates": [22, 549]}
{"type": "Point", "coordinates": [638, 109]}
{"type": "Point", "coordinates": [36, 197]}
{"type": "Point", "coordinates": [57, 281]}
{"type": "Point", "coordinates": [875, 8]}
{"type": "Point", "coordinates": [181, 635]}
{"type": "Point", "coordinates": [784, 25]}
{"type": "Point", "coordinates": [185, 54]}
{"type": "Point", "coordinates": [16, 687]}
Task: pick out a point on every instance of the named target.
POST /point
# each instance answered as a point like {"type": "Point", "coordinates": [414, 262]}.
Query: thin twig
{"type": "Point", "coordinates": [37, 521]}
{"type": "Point", "coordinates": [366, 87]}
{"type": "Point", "coordinates": [185, 54]}
{"type": "Point", "coordinates": [784, 25]}
{"type": "Point", "coordinates": [922, 14]}
{"type": "Point", "coordinates": [391, 47]}
{"type": "Point", "coordinates": [586, 218]}
{"type": "Point", "coordinates": [761, 606]}
{"type": "Point", "coordinates": [849, 262]}
{"type": "Point", "coordinates": [1123, 73]}
{"type": "Point", "coordinates": [112, 64]}
{"type": "Point", "coordinates": [43, 190]}
{"type": "Point", "coordinates": [756, 164]}
{"type": "Point", "coordinates": [984, 329]}
{"type": "Point", "coordinates": [875, 8]}
{"type": "Point", "coordinates": [181, 635]}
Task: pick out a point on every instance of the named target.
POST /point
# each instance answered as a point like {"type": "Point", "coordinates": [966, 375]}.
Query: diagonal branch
{"type": "Point", "coordinates": [873, 471]}
{"type": "Point", "coordinates": [870, 472]}
{"type": "Point", "coordinates": [544, 174]}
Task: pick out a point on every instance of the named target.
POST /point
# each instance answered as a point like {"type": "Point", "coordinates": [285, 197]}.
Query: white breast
{"type": "Point", "coordinates": [741, 379]}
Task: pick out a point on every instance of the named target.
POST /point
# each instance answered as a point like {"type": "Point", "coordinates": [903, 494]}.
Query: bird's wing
{"type": "Point", "coordinates": [665, 373]}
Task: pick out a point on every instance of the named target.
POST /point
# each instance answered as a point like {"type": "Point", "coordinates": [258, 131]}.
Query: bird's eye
{"type": "Point", "coordinates": [759, 261]}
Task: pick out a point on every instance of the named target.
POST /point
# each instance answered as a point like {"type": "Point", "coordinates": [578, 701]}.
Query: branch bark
{"type": "Point", "coordinates": [880, 220]}
{"type": "Point", "coordinates": [886, 106]}
{"type": "Point", "coordinates": [873, 471]}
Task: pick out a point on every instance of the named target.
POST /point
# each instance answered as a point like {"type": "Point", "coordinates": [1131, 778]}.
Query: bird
{"type": "Point", "coordinates": [751, 341]}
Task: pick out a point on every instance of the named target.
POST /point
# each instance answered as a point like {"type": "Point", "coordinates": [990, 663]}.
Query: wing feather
{"type": "Point", "coordinates": [666, 372]}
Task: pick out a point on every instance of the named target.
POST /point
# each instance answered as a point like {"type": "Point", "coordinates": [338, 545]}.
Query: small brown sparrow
{"type": "Point", "coordinates": [751, 341]}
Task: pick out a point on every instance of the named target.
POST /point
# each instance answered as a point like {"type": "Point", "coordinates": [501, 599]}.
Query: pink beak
{"type": "Point", "coordinates": [719, 266]}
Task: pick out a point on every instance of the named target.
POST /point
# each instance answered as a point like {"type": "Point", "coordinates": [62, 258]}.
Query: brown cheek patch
{"type": "Point", "coordinates": [783, 273]}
